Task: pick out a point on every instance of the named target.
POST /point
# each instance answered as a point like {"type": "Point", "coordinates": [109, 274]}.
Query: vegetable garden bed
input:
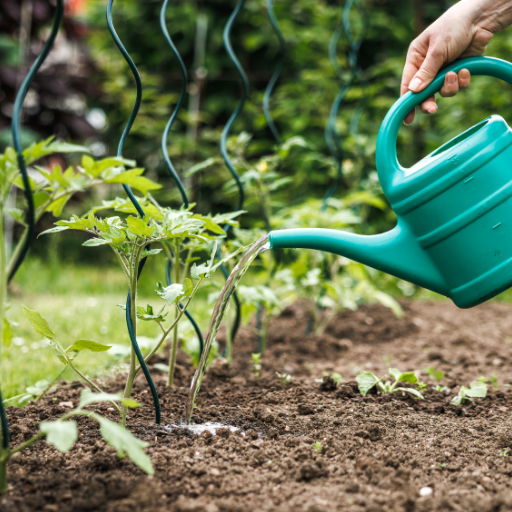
{"type": "Point", "coordinates": [313, 445]}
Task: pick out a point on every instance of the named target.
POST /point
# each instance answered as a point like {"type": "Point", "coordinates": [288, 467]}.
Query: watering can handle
{"type": "Point", "coordinates": [388, 167]}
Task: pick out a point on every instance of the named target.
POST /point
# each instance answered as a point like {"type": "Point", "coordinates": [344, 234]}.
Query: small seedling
{"type": "Point", "coordinates": [477, 389]}
{"type": "Point", "coordinates": [318, 447]}
{"type": "Point", "coordinates": [441, 464]}
{"type": "Point", "coordinates": [434, 374]}
{"type": "Point", "coordinates": [256, 364]}
{"type": "Point", "coordinates": [503, 453]}
{"type": "Point", "coordinates": [335, 376]}
{"type": "Point", "coordinates": [494, 381]}
{"type": "Point", "coordinates": [284, 378]}
{"type": "Point", "coordinates": [387, 360]}
{"type": "Point", "coordinates": [367, 380]}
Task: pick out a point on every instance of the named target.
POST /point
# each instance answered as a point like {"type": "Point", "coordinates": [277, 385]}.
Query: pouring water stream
{"type": "Point", "coordinates": [262, 244]}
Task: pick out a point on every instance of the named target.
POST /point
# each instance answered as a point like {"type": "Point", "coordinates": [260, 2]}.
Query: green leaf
{"type": "Point", "coordinates": [133, 179]}
{"type": "Point", "coordinates": [93, 346]}
{"type": "Point", "coordinates": [88, 397]}
{"type": "Point", "coordinates": [61, 434]}
{"type": "Point", "coordinates": [7, 333]}
{"type": "Point", "coordinates": [17, 214]}
{"type": "Point", "coordinates": [56, 229]}
{"type": "Point", "coordinates": [412, 391]}
{"type": "Point", "coordinates": [148, 314]}
{"type": "Point", "coordinates": [125, 443]}
{"type": "Point", "coordinates": [403, 377]}
{"type": "Point", "coordinates": [39, 324]}
{"type": "Point", "coordinates": [477, 390]}
{"type": "Point", "coordinates": [202, 165]}
{"type": "Point", "coordinates": [366, 381]}
{"type": "Point", "coordinates": [94, 242]}
{"type": "Point", "coordinates": [138, 227]}
{"type": "Point", "coordinates": [171, 293]}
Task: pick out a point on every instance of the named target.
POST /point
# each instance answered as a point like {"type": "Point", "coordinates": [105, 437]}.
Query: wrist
{"type": "Point", "coordinates": [491, 15]}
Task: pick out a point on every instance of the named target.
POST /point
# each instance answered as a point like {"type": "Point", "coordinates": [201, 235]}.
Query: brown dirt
{"type": "Point", "coordinates": [376, 452]}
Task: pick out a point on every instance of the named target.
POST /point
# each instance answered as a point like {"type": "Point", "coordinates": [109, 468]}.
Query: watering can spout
{"type": "Point", "coordinates": [396, 252]}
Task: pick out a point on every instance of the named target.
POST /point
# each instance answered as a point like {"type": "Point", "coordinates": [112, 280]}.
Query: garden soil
{"type": "Point", "coordinates": [313, 446]}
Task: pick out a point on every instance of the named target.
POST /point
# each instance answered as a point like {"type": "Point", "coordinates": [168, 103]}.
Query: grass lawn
{"type": "Point", "coordinates": [79, 303]}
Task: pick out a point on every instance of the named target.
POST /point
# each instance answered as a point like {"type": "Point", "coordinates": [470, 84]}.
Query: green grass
{"type": "Point", "coordinates": [78, 302]}
{"type": "Point", "coordinates": [81, 302]}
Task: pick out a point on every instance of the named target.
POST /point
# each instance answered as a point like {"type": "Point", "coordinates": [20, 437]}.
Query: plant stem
{"type": "Point", "coordinates": [174, 350]}
{"type": "Point", "coordinates": [167, 331]}
{"type": "Point", "coordinates": [133, 312]}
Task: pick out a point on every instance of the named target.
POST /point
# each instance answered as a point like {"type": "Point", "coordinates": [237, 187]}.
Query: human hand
{"type": "Point", "coordinates": [465, 30]}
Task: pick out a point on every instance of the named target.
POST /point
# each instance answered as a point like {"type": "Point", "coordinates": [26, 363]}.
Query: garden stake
{"type": "Point", "coordinates": [173, 173]}
{"type": "Point", "coordinates": [453, 207]}
{"type": "Point", "coordinates": [224, 151]}
{"type": "Point", "coordinates": [30, 219]}
{"type": "Point", "coordinates": [131, 318]}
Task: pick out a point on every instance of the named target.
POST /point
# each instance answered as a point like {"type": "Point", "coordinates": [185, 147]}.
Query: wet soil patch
{"type": "Point", "coordinates": [313, 446]}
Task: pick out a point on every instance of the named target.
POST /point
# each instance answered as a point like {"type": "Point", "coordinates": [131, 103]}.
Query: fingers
{"type": "Point", "coordinates": [428, 70]}
{"type": "Point", "coordinates": [464, 78]}
{"type": "Point", "coordinates": [452, 84]}
{"type": "Point", "coordinates": [429, 106]}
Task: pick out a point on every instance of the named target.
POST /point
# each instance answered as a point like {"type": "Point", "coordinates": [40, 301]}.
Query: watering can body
{"type": "Point", "coordinates": [454, 207]}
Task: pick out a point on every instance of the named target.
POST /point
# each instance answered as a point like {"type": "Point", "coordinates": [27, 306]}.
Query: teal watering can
{"type": "Point", "coordinates": [454, 207]}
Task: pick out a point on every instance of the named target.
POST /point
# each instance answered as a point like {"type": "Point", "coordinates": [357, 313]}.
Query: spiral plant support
{"type": "Point", "coordinates": [223, 144]}
{"type": "Point", "coordinates": [332, 137]}
{"type": "Point", "coordinates": [165, 152]}
{"type": "Point", "coordinates": [136, 204]}
{"type": "Point", "coordinates": [16, 137]}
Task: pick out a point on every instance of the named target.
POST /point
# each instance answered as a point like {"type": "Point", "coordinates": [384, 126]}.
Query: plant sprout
{"type": "Point", "coordinates": [256, 365]}
{"type": "Point", "coordinates": [284, 378]}
{"type": "Point", "coordinates": [367, 380]}
{"type": "Point", "coordinates": [477, 389]}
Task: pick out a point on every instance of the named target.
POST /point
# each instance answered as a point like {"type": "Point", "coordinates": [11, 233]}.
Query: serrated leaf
{"type": "Point", "coordinates": [138, 227]}
{"type": "Point", "coordinates": [125, 443]}
{"type": "Point", "coordinates": [61, 434]}
{"type": "Point", "coordinates": [366, 381]}
{"type": "Point", "coordinates": [171, 294]}
{"type": "Point", "coordinates": [39, 324]}
{"type": "Point", "coordinates": [93, 346]}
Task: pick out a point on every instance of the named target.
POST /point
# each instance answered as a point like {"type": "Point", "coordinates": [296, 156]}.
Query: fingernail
{"type": "Point", "coordinates": [451, 78]}
{"type": "Point", "coordinates": [432, 110]}
{"type": "Point", "coordinates": [415, 84]}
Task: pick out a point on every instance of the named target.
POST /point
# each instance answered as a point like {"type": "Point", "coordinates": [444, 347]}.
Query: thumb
{"type": "Point", "coordinates": [428, 70]}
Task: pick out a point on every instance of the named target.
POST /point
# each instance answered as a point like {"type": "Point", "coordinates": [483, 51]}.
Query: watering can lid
{"type": "Point", "coordinates": [448, 164]}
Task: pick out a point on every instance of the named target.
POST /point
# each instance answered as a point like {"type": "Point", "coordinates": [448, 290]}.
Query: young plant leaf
{"type": "Point", "coordinates": [172, 293]}
{"type": "Point", "coordinates": [61, 434]}
{"type": "Point", "coordinates": [88, 397]}
{"type": "Point", "coordinates": [93, 346]}
{"type": "Point", "coordinates": [412, 391]}
{"type": "Point", "coordinates": [53, 230]}
{"type": "Point", "coordinates": [403, 377]}
{"type": "Point", "coordinates": [366, 381]}
{"type": "Point", "coordinates": [39, 324]}
{"type": "Point", "coordinates": [125, 443]}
